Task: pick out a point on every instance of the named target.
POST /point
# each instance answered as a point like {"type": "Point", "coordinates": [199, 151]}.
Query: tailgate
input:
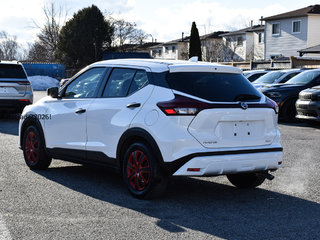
{"type": "Point", "coordinates": [234, 127]}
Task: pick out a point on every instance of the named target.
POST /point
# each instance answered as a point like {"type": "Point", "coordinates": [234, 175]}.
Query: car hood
{"type": "Point", "coordinates": [283, 87]}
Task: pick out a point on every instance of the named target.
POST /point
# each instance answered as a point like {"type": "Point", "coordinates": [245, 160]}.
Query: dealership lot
{"type": "Point", "coordinates": [69, 201]}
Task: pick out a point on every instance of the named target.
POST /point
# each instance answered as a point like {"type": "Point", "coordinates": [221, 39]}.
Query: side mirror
{"type": "Point", "coordinates": [53, 92]}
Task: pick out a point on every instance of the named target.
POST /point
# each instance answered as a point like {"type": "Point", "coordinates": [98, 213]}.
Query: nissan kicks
{"type": "Point", "coordinates": [153, 119]}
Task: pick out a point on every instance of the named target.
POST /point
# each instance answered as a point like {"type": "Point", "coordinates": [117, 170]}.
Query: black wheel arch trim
{"type": "Point", "coordinates": [140, 134]}
{"type": "Point", "coordinates": [29, 121]}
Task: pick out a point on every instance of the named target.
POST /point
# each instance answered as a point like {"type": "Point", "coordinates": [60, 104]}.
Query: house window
{"type": "Point", "coordinates": [160, 52]}
{"type": "Point", "coordinates": [166, 50]}
{"type": "Point", "coordinates": [260, 35]}
{"type": "Point", "coordinates": [276, 29]}
{"type": "Point", "coordinates": [228, 43]}
{"type": "Point", "coordinates": [173, 49]}
{"type": "Point", "coordinates": [240, 41]}
{"type": "Point", "coordinates": [296, 26]}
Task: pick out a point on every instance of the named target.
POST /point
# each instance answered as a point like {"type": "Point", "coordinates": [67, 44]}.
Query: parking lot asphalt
{"type": "Point", "coordinates": [70, 201]}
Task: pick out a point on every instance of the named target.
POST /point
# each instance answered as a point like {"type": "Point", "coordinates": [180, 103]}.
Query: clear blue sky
{"type": "Point", "coordinates": [164, 19]}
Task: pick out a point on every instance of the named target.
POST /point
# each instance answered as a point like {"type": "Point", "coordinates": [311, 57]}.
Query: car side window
{"type": "Point", "coordinates": [288, 77]}
{"type": "Point", "coordinates": [140, 80]}
{"type": "Point", "coordinates": [85, 85]}
{"type": "Point", "coordinates": [119, 82]}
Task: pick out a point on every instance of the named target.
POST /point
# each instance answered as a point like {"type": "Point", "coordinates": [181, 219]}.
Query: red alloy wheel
{"type": "Point", "coordinates": [32, 147]}
{"type": "Point", "coordinates": [138, 170]}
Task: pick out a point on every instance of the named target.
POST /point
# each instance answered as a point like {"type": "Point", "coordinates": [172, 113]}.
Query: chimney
{"type": "Point", "coordinates": [182, 37]}
{"type": "Point", "coordinates": [251, 23]}
{"type": "Point", "coordinates": [155, 40]}
{"type": "Point", "coordinates": [261, 20]}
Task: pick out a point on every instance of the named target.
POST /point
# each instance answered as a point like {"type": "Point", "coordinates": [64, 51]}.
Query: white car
{"type": "Point", "coordinates": [152, 119]}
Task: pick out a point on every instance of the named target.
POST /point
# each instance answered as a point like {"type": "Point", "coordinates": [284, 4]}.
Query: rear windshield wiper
{"type": "Point", "coordinates": [242, 97]}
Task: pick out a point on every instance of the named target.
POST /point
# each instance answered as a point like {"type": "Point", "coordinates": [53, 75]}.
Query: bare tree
{"type": "Point", "coordinates": [126, 32]}
{"type": "Point", "coordinates": [212, 50]}
{"type": "Point", "coordinates": [55, 17]}
{"type": "Point", "coordinates": [230, 49]}
{"type": "Point", "coordinates": [38, 53]}
{"type": "Point", "coordinates": [8, 46]}
{"type": "Point", "coordinates": [138, 36]}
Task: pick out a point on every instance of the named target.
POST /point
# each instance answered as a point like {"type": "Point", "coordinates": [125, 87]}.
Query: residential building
{"type": "Point", "coordinates": [287, 33]}
{"type": "Point", "coordinates": [244, 44]}
{"type": "Point", "coordinates": [178, 49]}
{"type": "Point", "coordinates": [172, 50]}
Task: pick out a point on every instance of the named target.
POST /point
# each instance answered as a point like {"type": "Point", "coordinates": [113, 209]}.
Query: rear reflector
{"type": "Point", "coordinates": [279, 163]}
{"type": "Point", "coordinates": [24, 100]}
{"type": "Point", "coordinates": [23, 82]}
{"type": "Point", "coordinates": [193, 169]}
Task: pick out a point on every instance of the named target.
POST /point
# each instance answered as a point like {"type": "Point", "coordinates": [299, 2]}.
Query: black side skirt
{"type": "Point", "coordinates": [82, 157]}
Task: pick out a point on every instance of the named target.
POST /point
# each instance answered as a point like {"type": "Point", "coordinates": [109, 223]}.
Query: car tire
{"type": "Point", "coordinates": [246, 180]}
{"type": "Point", "coordinates": [141, 172]}
{"type": "Point", "coordinates": [34, 149]}
{"type": "Point", "coordinates": [289, 111]}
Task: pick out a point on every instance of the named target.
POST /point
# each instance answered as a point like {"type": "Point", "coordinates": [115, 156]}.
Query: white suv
{"type": "Point", "coordinates": [152, 119]}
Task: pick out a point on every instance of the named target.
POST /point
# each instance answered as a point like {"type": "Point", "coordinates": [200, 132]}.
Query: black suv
{"type": "Point", "coordinates": [286, 95]}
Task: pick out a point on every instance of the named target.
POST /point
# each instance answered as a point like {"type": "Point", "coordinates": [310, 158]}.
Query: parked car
{"type": "Point", "coordinates": [15, 88]}
{"type": "Point", "coordinates": [308, 104]}
{"type": "Point", "coordinates": [151, 119]}
{"type": "Point", "coordinates": [274, 77]}
{"type": "Point", "coordinates": [286, 95]}
{"type": "Point", "coordinates": [253, 75]}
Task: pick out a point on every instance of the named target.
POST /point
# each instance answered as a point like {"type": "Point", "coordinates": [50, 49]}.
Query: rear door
{"type": "Point", "coordinates": [126, 90]}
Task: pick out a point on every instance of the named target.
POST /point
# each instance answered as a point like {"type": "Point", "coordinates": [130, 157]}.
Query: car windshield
{"type": "Point", "coordinates": [217, 87]}
{"type": "Point", "coordinates": [304, 78]}
{"type": "Point", "coordinates": [11, 71]}
{"type": "Point", "coordinates": [269, 77]}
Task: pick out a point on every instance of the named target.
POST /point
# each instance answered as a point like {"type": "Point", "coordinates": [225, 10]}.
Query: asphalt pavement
{"type": "Point", "coordinates": [70, 201]}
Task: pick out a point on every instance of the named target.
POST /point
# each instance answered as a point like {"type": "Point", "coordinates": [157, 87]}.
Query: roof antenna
{"type": "Point", "coordinates": [193, 59]}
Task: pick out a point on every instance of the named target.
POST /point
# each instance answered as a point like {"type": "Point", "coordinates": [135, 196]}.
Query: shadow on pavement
{"type": "Point", "coordinates": [216, 209]}
{"type": "Point", "coordinates": [9, 124]}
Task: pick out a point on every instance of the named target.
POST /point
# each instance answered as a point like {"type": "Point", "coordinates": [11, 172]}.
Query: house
{"type": "Point", "coordinates": [287, 33]}
{"type": "Point", "coordinates": [178, 49]}
{"type": "Point", "coordinates": [212, 46]}
{"type": "Point", "coordinates": [172, 50]}
{"type": "Point", "coordinates": [244, 44]}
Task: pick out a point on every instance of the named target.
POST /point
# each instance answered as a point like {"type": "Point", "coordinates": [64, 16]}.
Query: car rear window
{"type": "Point", "coordinates": [11, 71]}
{"type": "Point", "coordinates": [216, 87]}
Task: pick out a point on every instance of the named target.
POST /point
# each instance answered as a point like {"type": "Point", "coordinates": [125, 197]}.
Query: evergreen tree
{"type": "Point", "coordinates": [195, 44]}
{"type": "Point", "coordinates": [83, 38]}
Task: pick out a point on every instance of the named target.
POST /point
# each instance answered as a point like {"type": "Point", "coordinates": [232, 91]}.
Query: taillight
{"type": "Point", "coordinates": [273, 105]}
{"type": "Point", "coordinates": [181, 105]}
{"type": "Point", "coordinates": [23, 82]}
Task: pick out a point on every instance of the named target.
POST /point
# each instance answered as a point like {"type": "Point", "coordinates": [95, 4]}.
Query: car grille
{"type": "Point", "coordinates": [306, 96]}
{"type": "Point", "coordinates": [310, 113]}
{"type": "Point", "coordinates": [303, 106]}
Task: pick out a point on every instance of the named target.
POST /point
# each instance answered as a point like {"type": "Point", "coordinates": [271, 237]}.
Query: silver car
{"type": "Point", "coordinates": [15, 88]}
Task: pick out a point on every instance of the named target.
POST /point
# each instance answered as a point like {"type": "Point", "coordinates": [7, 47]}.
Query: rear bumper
{"type": "Point", "coordinates": [268, 159]}
{"type": "Point", "coordinates": [14, 105]}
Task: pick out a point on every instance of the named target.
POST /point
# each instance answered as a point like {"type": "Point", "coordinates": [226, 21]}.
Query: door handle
{"type": "Point", "coordinates": [80, 110]}
{"type": "Point", "coordinates": [133, 105]}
